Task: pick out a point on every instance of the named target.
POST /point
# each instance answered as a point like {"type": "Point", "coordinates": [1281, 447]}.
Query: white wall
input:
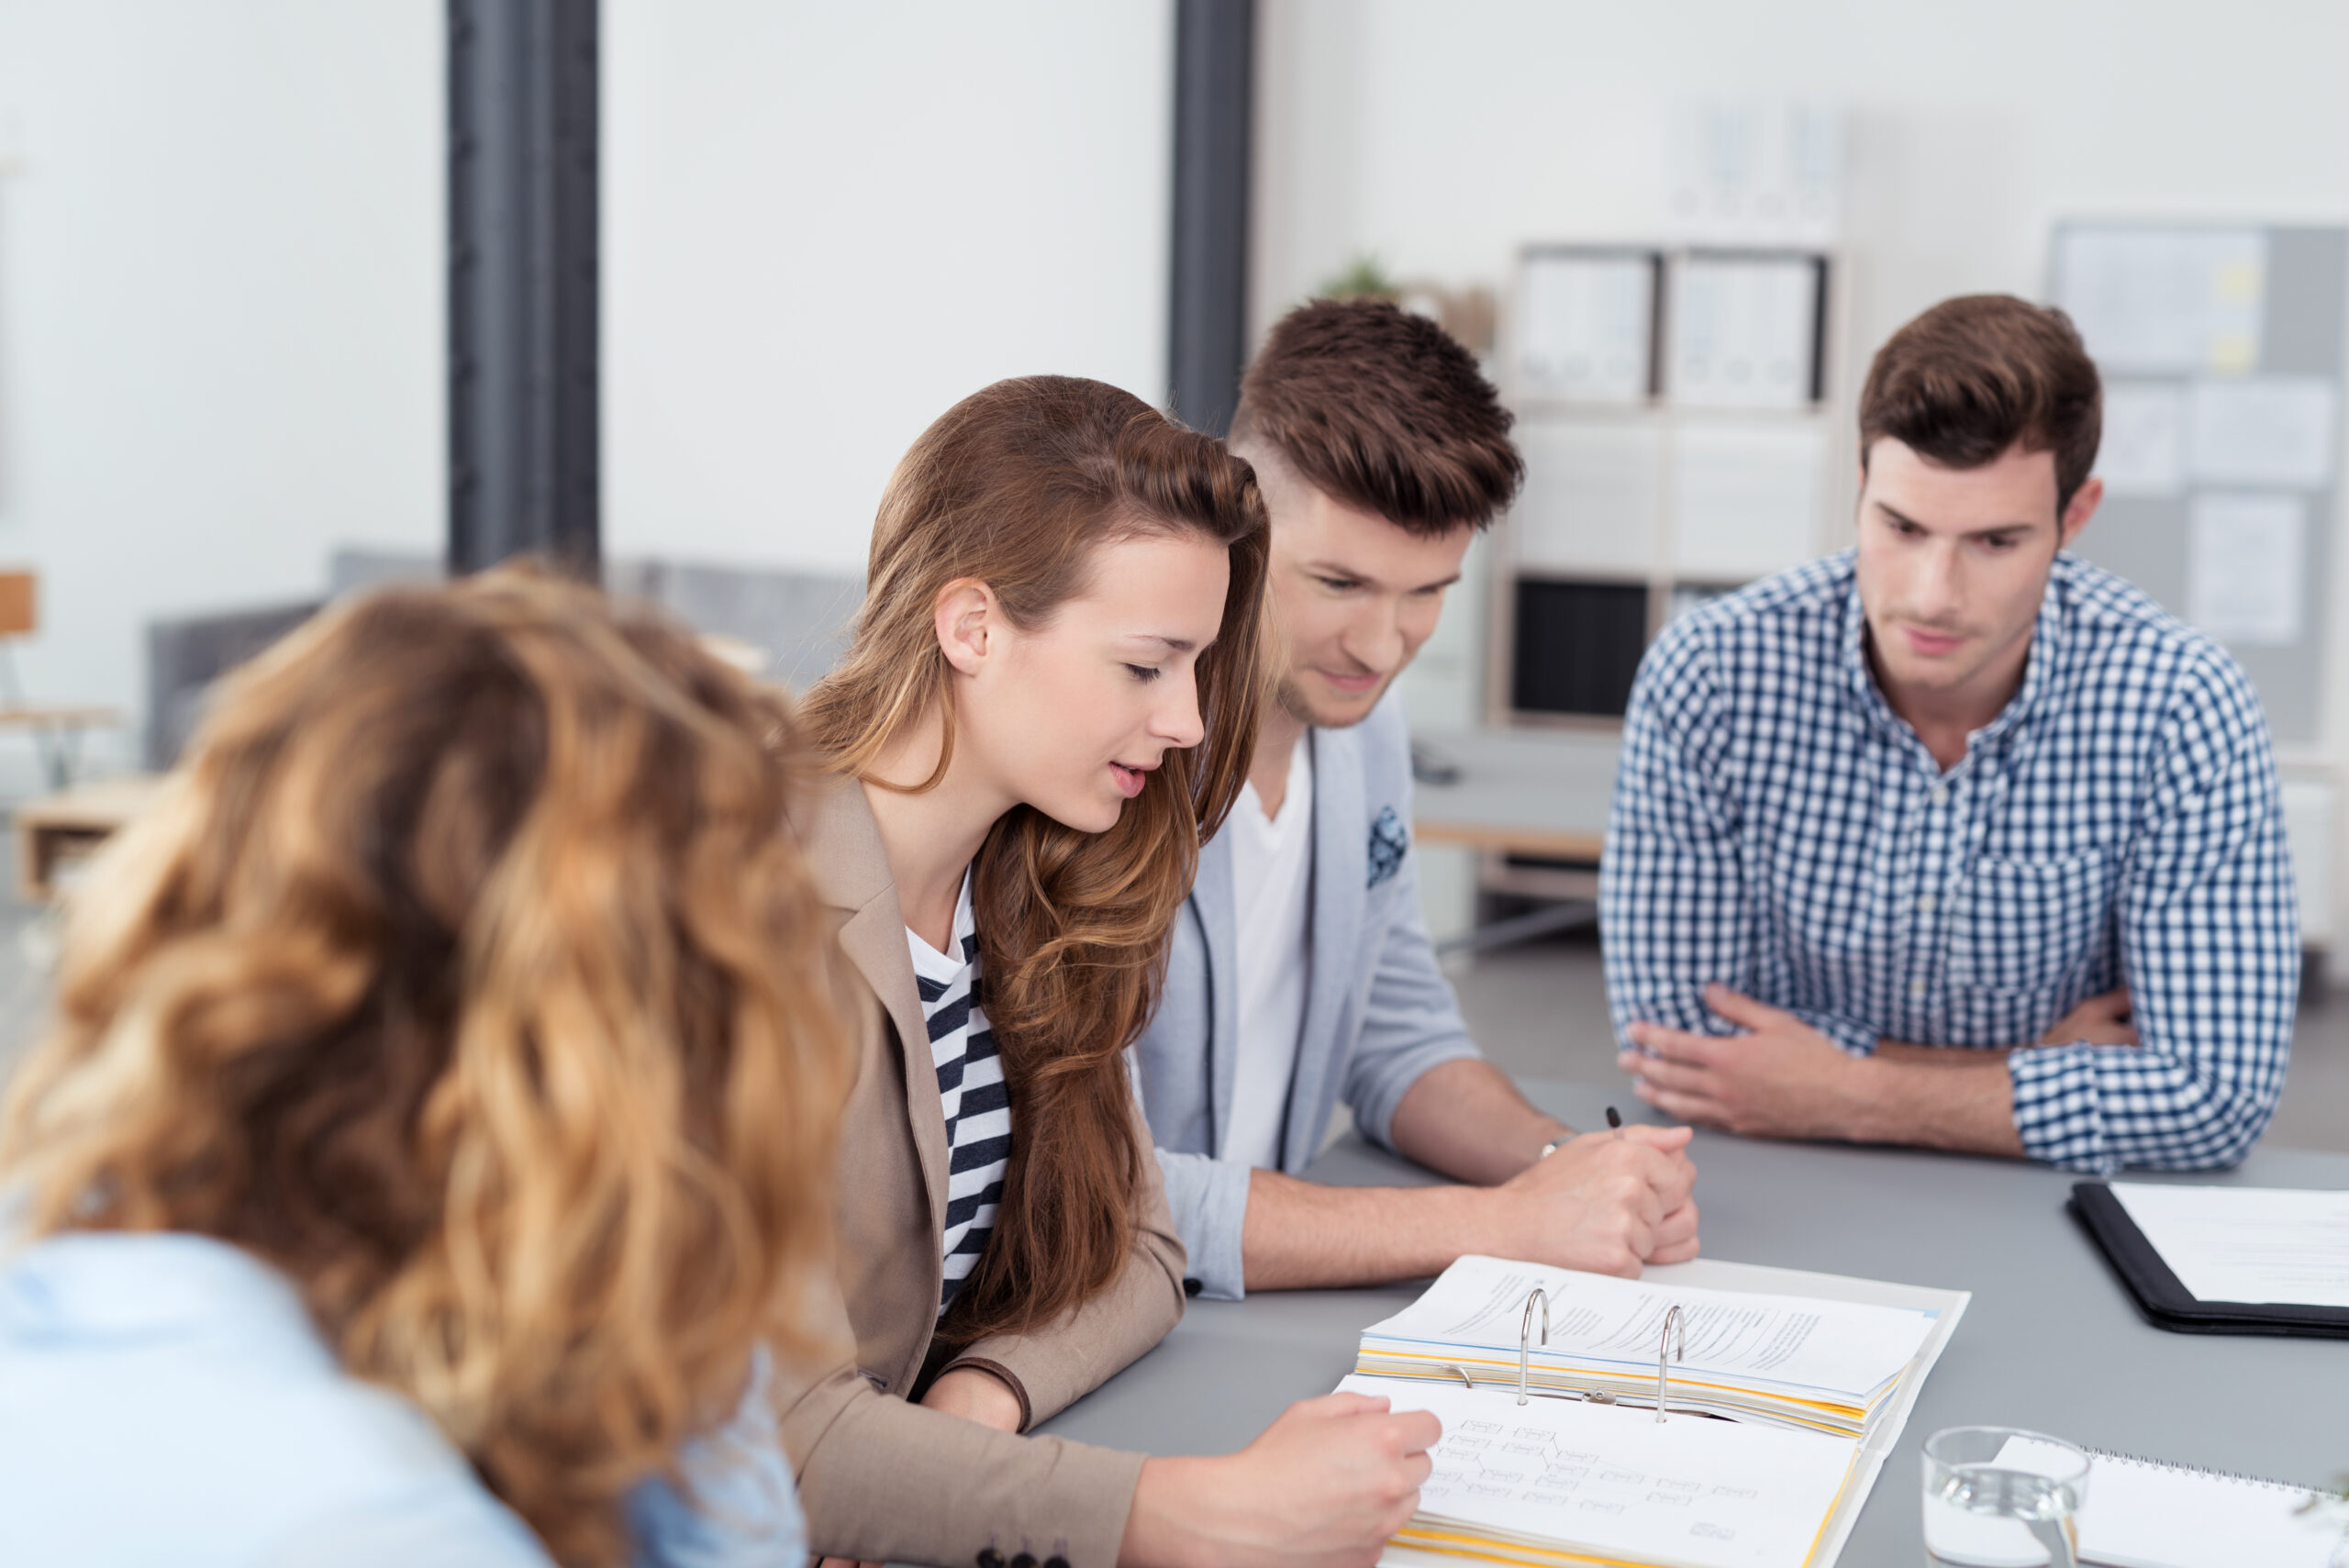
{"type": "Point", "coordinates": [220, 318]}
{"type": "Point", "coordinates": [825, 224]}
{"type": "Point", "coordinates": [1442, 134]}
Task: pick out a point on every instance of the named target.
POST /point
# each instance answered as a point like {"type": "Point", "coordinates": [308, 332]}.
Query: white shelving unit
{"type": "Point", "coordinates": [1653, 474]}
{"type": "Point", "coordinates": [1713, 459]}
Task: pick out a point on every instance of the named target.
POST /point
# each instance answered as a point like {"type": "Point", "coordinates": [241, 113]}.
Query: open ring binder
{"type": "Point", "coordinates": [1672, 1345]}
{"type": "Point", "coordinates": [1674, 1339]}
{"type": "Point", "coordinates": [1525, 1336]}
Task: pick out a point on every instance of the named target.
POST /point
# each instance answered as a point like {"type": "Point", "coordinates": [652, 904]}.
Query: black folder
{"type": "Point", "coordinates": [2164, 1302]}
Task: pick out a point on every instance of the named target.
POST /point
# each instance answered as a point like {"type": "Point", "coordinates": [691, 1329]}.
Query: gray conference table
{"type": "Point", "coordinates": [2050, 1341]}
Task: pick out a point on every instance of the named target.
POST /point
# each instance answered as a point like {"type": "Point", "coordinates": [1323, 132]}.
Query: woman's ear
{"type": "Point", "coordinates": [967, 620]}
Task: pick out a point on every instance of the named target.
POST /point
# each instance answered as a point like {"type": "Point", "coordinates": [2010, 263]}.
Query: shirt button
{"type": "Point", "coordinates": [1056, 1562]}
{"type": "Point", "coordinates": [1938, 795]}
{"type": "Point", "coordinates": [990, 1558]}
{"type": "Point", "coordinates": [1916, 987]}
{"type": "Point", "coordinates": [1023, 1560]}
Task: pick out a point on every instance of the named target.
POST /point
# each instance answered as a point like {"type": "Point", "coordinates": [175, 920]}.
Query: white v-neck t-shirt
{"type": "Point", "coordinates": [1272, 889]}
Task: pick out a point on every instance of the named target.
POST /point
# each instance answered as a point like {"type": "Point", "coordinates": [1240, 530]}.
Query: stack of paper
{"type": "Point", "coordinates": [1812, 1364]}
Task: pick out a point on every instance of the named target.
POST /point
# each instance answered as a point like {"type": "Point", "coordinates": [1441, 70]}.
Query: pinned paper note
{"type": "Point", "coordinates": [2244, 568]}
{"type": "Point", "coordinates": [2154, 301]}
{"type": "Point", "coordinates": [2276, 429]}
{"type": "Point", "coordinates": [2143, 448]}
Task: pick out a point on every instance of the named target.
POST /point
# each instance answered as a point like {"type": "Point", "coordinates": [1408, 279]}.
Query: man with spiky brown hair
{"type": "Point", "coordinates": [1302, 976]}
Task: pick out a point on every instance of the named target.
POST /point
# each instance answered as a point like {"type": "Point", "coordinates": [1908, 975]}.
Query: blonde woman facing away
{"type": "Point", "coordinates": [438, 1126]}
{"type": "Point", "coordinates": [1049, 699]}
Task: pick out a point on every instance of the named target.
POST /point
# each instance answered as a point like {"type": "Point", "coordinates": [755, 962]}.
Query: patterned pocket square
{"type": "Point", "coordinates": [1389, 839]}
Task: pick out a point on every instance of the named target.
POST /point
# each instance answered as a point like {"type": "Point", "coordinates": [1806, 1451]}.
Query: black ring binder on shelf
{"type": "Point", "coordinates": [2167, 1304]}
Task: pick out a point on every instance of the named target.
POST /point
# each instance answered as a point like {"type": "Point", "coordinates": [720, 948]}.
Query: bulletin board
{"type": "Point", "coordinates": [2220, 347]}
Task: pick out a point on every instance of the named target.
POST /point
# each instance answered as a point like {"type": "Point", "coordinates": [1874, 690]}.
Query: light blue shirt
{"type": "Point", "coordinates": [1378, 1012]}
{"type": "Point", "coordinates": [165, 1398]}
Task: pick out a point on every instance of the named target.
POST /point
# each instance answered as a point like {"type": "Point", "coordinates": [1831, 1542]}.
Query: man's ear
{"type": "Point", "coordinates": [969, 623]}
{"type": "Point", "coordinates": [2084, 500]}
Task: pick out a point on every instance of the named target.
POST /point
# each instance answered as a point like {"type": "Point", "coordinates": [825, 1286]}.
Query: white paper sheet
{"type": "Point", "coordinates": [1745, 499]}
{"type": "Point", "coordinates": [1744, 330]}
{"type": "Point", "coordinates": [1589, 502]}
{"type": "Point", "coordinates": [2143, 448]}
{"type": "Point", "coordinates": [2275, 429]}
{"type": "Point", "coordinates": [1845, 1347]}
{"type": "Point", "coordinates": [2272, 1245]}
{"type": "Point", "coordinates": [1586, 327]}
{"type": "Point", "coordinates": [2149, 301]}
{"type": "Point", "coordinates": [1711, 1494]}
{"type": "Point", "coordinates": [2243, 555]}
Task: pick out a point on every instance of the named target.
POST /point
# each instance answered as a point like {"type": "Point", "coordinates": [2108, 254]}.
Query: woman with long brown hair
{"type": "Point", "coordinates": [1049, 701]}
{"type": "Point", "coordinates": [437, 1132]}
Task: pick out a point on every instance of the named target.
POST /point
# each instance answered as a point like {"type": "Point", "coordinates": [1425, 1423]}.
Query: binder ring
{"type": "Point", "coordinates": [1673, 1342]}
{"type": "Point", "coordinates": [1525, 1336]}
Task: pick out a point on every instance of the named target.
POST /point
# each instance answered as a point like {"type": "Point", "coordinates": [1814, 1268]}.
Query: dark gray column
{"type": "Point", "coordinates": [1207, 318]}
{"type": "Point", "coordinates": [523, 464]}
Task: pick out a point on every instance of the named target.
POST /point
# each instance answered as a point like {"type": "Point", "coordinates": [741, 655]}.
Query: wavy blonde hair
{"type": "Point", "coordinates": [1019, 485]}
{"type": "Point", "coordinates": [463, 974]}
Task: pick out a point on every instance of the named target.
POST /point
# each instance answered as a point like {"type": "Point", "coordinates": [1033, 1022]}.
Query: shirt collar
{"type": "Point", "coordinates": [2038, 671]}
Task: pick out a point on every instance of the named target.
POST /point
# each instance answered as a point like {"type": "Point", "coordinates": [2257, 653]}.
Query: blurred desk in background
{"type": "Point", "coordinates": [1531, 803]}
{"type": "Point", "coordinates": [57, 832]}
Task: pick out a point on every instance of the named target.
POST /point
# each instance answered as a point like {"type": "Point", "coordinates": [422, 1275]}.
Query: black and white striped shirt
{"type": "Point", "coordinates": [970, 1091]}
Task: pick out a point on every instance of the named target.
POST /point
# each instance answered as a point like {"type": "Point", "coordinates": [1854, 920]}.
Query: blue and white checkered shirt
{"type": "Point", "coordinates": [1776, 827]}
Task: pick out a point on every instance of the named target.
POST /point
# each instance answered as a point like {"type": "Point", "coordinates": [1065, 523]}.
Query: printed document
{"type": "Point", "coordinates": [1561, 1475]}
{"type": "Point", "coordinates": [2272, 1246]}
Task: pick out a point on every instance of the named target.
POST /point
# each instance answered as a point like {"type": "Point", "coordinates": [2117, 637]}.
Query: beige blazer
{"type": "Point", "coordinates": [881, 1479]}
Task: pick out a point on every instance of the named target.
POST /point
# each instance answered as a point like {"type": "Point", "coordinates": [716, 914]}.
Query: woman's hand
{"type": "Point", "coordinates": [1324, 1487]}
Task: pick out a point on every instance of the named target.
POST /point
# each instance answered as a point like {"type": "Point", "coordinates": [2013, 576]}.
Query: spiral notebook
{"type": "Point", "coordinates": [2147, 1513]}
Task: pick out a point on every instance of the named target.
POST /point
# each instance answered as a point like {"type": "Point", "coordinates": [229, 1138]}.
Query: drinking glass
{"type": "Point", "coordinates": [1999, 1497]}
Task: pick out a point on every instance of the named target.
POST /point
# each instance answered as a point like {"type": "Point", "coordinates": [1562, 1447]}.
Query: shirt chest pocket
{"type": "Point", "coordinates": [2027, 925]}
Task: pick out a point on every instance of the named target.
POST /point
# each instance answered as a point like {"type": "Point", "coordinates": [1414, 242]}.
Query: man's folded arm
{"type": "Point", "coordinates": [2210, 940]}
{"type": "Point", "coordinates": [1854, 1035]}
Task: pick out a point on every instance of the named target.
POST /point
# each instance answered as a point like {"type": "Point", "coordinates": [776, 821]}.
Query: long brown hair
{"type": "Point", "coordinates": [1017, 486]}
{"type": "Point", "coordinates": [463, 974]}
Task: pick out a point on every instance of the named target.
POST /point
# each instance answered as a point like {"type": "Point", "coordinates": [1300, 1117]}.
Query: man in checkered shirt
{"type": "Point", "coordinates": [1953, 838]}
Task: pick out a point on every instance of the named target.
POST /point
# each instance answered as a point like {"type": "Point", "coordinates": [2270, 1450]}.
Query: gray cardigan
{"type": "Point", "coordinates": [1378, 1014]}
